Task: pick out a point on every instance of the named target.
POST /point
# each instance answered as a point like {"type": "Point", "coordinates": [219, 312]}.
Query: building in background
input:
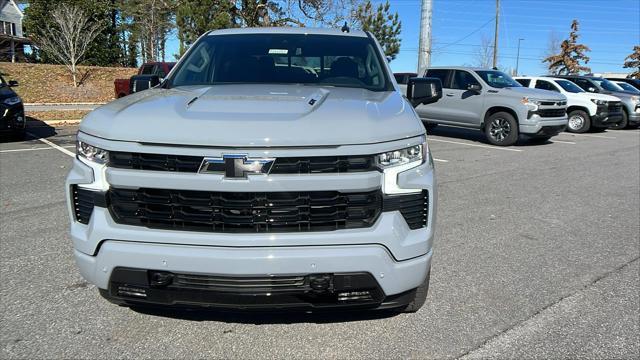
{"type": "Point", "coordinates": [12, 41]}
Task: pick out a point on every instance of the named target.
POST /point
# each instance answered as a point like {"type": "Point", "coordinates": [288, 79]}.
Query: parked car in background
{"type": "Point", "coordinates": [403, 78]}
{"type": "Point", "coordinates": [626, 86]}
{"type": "Point", "coordinates": [633, 82]}
{"type": "Point", "coordinates": [493, 102]}
{"type": "Point", "coordinates": [584, 110]}
{"type": "Point", "coordinates": [123, 87]}
{"type": "Point", "coordinates": [594, 84]}
{"type": "Point", "coordinates": [12, 121]}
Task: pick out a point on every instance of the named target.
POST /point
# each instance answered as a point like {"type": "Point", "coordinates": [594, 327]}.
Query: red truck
{"type": "Point", "coordinates": [123, 86]}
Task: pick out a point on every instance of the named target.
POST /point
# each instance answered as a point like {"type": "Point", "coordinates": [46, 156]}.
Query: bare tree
{"type": "Point", "coordinates": [68, 36]}
{"type": "Point", "coordinates": [484, 53]}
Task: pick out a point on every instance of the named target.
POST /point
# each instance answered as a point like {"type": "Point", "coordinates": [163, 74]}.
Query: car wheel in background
{"type": "Point", "coordinates": [623, 123]}
{"type": "Point", "coordinates": [579, 122]}
{"type": "Point", "coordinates": [501, 129]}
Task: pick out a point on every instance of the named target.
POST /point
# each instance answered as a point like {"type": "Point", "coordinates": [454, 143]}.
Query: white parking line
{"type": "Point", "coordinates": [57, 147]}
{"type": "Point", "coordinates": [33, 149]}
{"type": "Point", "coordinates": [562, 142]}
{"type": "Point", "coordinates": [589, 135]}
{"type": "Point", "coordinates": [440, 160]}
{"type": "Point", "coordinates": [475, 145]}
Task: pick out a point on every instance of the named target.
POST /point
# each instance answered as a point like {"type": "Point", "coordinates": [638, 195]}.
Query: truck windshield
{"type": "Point", "coordinates": [324, 60]}
{"type": "Point", "coordinates": [607, 85]}
{"type": "Point", "coordinates": [568, 86]}
{"type": "Point", "coordinates": [497, 79]}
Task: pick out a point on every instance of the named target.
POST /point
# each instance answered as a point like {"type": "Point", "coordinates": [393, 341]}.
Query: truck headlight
{"type": "Point", "coordinates": [531, 104]}
{"type": "Point", "coordinates": [599, 102]}
{"type": "Point", "coordinates": [635, 99]}
{"type": "Point", "coordinates": [392, 163]}
{"type": "Point", "coordinates": [413, 154]}
{"type": "Point", "coordinates": [12, 100]}
{"type": "Point", "coordinates": [92, 153]}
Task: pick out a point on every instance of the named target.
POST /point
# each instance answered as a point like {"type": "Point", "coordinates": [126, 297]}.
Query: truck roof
{"type": "Point", "coordinates": [288, 30]}
{"type": "Point", "coordinates": [468, 68]}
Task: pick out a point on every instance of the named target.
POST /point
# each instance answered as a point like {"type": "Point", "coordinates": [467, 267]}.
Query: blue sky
{"type": "Point", "coordinates": [609, 27]}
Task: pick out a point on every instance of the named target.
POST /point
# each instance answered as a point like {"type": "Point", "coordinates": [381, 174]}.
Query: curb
{"type": "Point", "coordinates": [64, 104]}
{"type": "Point", "coordinates": [57, 122]}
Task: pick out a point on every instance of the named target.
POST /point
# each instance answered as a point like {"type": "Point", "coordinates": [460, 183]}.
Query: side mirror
{"type": "Point", "coordinates": [474, 87]}
{"type": "Point", "coordinates": [143, 82]}
{"type": "Point", "coordinates": [423, 90]}
{"type": "Point", "coordinates": [13, 83]}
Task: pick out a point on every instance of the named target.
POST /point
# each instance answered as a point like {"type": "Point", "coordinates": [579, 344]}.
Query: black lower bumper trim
{"type": "Point", "coordinates": [606, 119]}
{"type": "Point", "coordinates": [141, 287]}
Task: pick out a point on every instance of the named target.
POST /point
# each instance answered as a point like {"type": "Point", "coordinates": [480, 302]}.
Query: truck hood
{"type": "Point", "coordinates": [255, 115]}
{"type": "Point", "coordinates": [598, 96]}
{"type": "Point", "coordinates": [532, 93]}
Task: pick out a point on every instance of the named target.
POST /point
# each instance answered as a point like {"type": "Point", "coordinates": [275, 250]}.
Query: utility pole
{"type": "Point", "coordinates": [495, 39]}
{"type": "Point", "coordinates": [518, 56]}
{"type": "Point", "coordinates": [424, 49]}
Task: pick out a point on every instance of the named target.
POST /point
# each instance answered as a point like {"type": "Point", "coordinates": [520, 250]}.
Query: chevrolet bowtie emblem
{"type": "Point", "coordinates": [236, 166]}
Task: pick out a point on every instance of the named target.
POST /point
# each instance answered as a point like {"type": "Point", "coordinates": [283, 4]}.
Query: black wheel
{"type": "Point", "coordinates": [623, 123]}
{"type": "Point", "coordinates": [419, 297]}
{"type": "Point", "coordinates": [501, 129]}
{"type": "Point", "coordinates": [579, 122]}
{"type": "Point", "coordinates": [429, 126]}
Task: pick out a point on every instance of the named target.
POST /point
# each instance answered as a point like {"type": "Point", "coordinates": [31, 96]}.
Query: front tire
{"type": "Point", "coordinates": [623, 123]}
{"type": "Point", "coordinates": [579, 122]}
{"type": "Point", "coordinates": [501, 129]}
{"type": "Point", "coordinates": [420, 297]}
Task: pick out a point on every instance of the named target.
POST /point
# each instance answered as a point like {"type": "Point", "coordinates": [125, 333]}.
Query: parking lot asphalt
{"type": "Point", "coordinates": [536, 255]}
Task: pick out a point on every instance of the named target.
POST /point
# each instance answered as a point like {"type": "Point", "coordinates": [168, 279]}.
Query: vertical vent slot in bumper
{"type": "Point", "coordinates": [83, 203]}
{"type": "Point", "coordinates": [413, 207]}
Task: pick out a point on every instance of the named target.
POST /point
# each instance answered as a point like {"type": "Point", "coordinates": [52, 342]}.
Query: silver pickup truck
{"type": "Point", "coordinates": [272, 168]}
{"type": "Point", "coordinates": [493, 102]}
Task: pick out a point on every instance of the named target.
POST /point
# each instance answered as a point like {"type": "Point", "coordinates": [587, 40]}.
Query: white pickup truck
{"type": "Point", "coordinates": [585, 110]}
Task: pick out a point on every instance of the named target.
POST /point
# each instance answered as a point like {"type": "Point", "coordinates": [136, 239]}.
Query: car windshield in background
{"type": "Point", "coordinates": [627, 87]}
{"type": "Point", "coordinates": [568, 86]}
{"type": "Point", "coordinates": [497, 79]}
{"type": "Point", "coordinates": [323, 60]}
{"type": "Point", "coordinates": [607, 85]}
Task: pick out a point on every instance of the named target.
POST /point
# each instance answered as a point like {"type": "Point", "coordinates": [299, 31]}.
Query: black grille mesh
{"type": "Point", "coordinates": [551, 112]}
{"type": "Point", "coordinates": [246, 211]}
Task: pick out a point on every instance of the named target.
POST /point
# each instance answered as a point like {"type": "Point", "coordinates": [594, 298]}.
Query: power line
{"type": "Point", "coordinates": [468, 35]}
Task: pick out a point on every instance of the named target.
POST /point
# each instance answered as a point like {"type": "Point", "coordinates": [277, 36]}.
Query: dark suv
{"type": "Point", "coordinates": [594, 84]}
{"type": "Point", "coordinates": [13, 121]}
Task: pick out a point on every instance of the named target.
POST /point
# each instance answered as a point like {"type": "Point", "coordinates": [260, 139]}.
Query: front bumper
{"type": "Point", "coordinates": [605, 118]}
{"type": "Point", "coordinates": [538, 126]}
{"type": "Point", "coordinates": [397, 257]}
{"type": "Point", "coordinates": [388, 276]}
{"type": "Point", "coordinates": [634, 117]}
{"type": "Point", "coordinates": [12, 118]}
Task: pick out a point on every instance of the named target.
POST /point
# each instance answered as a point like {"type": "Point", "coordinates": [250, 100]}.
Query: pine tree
{"type": "Point", "coordinates": [633, 62]}
{"type": "Point", "coordinates": [384, 25]}
{"type": "Point", "coordinates": [195, 17]}
{"type": "Point", "coordinates": [571, 56]}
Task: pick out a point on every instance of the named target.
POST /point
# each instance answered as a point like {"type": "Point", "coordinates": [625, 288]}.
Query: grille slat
{"type": "Point", "coordinates": [551, 112]}
{"type": "Point", "coordinates": [244, 212]}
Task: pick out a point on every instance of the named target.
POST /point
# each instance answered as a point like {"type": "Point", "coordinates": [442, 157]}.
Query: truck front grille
{"type": "Point", "coordinates": [614, 106]}
{"type": "Point", "coordinates": [551, 112]}
{"type": "Point", "coordinates": [247, 212]}
{"type": "Point", "coordinates": [283, 165]}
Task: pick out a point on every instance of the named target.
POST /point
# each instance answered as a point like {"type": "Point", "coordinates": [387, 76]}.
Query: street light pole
{"type": "Point", "coordinates": [518, 56]}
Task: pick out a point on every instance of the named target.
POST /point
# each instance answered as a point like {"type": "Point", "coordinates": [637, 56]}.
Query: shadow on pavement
{"type": "Point", "coordinates": [265, 318]}
{"type": "Point", "coordinates": [477, 136]}
{"type": "Point", "coordinates": [36, 127]}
